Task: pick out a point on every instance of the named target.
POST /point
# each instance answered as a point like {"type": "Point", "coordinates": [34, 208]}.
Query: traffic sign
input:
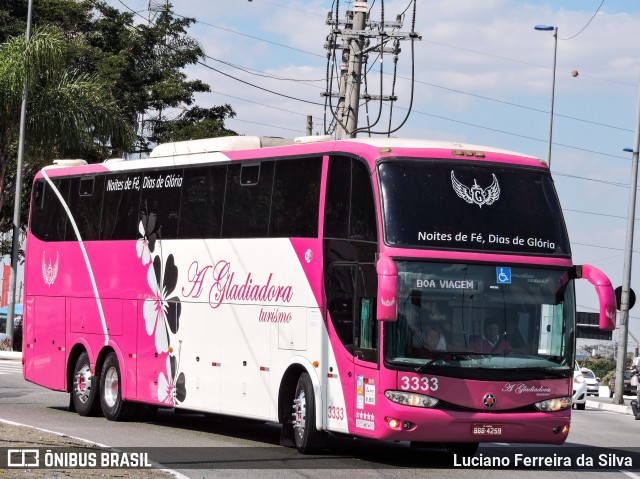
{"type": "Point", "coordinates": [632, 297]}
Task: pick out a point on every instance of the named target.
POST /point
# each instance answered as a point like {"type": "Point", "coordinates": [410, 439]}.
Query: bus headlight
{"type": "Point", "coordinates": [411, 399]}
{"type": "Point", "coordinates": [556, 404]}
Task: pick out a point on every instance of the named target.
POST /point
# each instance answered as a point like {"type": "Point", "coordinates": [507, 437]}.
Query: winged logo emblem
{"type": "Point", "coordinates": [388, 302]}
{"type": "Point", "coordinates": [476, 194]}
{"type": "Point", "coordinates": [50, 271]}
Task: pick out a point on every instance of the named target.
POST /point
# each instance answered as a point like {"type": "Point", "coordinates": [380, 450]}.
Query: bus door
{"type": "Point", "coordinates": [351, 301]}
{"type": "Point", "coordinates": [366, 370]}
{"type": "Point", "coordinates": [350, 245]}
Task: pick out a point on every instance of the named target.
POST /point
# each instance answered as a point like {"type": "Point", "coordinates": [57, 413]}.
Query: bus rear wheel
{"type": "Point", "coordinates": [113, 407]}
{"type": "Point", "coordinates": [85, 388]}
{"type": "Point", "coordinates": [306, 436]}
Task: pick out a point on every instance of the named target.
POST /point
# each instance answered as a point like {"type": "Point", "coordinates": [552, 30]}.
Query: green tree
{"type": "Point", "coordinates": [195, 123]}
{"type": "Point", "coordinates": [145, 61]}
{"type": "Point", "coordinates": [70, 113]}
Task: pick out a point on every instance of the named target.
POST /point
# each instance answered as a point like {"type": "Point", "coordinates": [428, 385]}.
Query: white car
{"type": "Point", "coordinates": [593, 383]}
{"type": "Point", "coordinates": [579, 388]}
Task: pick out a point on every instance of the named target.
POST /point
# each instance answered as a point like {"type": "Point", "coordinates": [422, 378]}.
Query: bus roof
{"type": "Point", "coordinates": [213, 150]}
{"type": "Point", "coordinates": [236, 143]}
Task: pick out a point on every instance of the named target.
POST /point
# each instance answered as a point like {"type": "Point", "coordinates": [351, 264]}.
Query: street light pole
{"type": "Point", "coordinates": [15, 245]}
{"type": "Point", "coordinates": [621, 359]}
{"type": "Point", "coordinates": [549, 28]}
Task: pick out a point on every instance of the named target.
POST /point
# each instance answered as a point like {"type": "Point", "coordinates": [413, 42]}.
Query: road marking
{"type": "Point", "coordinates": [630, 474]}
{"type": "Point", "coordinates": [10, 368]}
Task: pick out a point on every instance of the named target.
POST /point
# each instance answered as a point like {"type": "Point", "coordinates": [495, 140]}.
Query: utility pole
{"type": "Point", "coordinates": [17, 203]}
{"type": "Point", "coordinates": [349, 123]}
{"type": "Point", "coordinates": [309, 128]}
{"type": "Point", "coordinates": [355, 32]}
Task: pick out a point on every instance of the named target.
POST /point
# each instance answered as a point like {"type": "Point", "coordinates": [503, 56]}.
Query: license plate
{"type": "Point", "coordinates": [487, 430]}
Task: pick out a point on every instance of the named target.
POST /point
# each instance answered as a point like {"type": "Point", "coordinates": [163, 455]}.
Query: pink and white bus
{"type": "Point", "coordinates": [393, 289]}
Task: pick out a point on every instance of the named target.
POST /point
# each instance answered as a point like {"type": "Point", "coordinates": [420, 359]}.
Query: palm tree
{"type": "Point", "coordinates": [69, 112]}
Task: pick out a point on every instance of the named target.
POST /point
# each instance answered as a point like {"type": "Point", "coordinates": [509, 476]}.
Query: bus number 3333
{"type": "Point", "coordinates": [415, 383]}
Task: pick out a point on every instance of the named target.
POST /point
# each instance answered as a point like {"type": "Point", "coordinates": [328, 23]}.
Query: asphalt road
{"type": "Point", "coordinates": [224, 447]}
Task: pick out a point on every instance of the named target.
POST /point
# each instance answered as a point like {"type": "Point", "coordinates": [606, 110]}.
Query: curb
{"type": "Point", "coordinates": [11, 355]}
{"type": "Point", "coordinates": [619, 408]}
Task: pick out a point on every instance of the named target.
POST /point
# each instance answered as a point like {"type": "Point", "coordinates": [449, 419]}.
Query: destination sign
{"type": "Point", "coordinates": [462, 284]}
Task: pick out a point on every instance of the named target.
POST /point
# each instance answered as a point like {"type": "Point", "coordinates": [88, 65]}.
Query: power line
{"type": "Point", "coordinates": [416, 111]}
{"type": "Point", "coordinates": [250, 36]}
{"type": "Point", "coordinates": [264, 74]}
{"type": "Point", "coordinates": [585, 27]}
{"type": "Point", "coordinates": [258, 87]}
{"type": "Point", "coordinates": [432, 84]}
{"type": "Point", "coordinates": [597, 214]}
{"type": "Point", "coordinates": [526, 63]}
{"type": "Point", "coordinates": [265, 124]}
{"type": "Point", "coordinates": [263, 105]}
{"type": "Point", "coordinates": [443, 87]}
{"type": "Point", "coordinates": [597, 180]}
{"type": "Point", "coordinates": [601, 247]}
{"type": "Point", "coordinates": [524, 107]}
{"type": "Point", "coordinates": [293, 9]}
{"type": "Point", "coordinates": [518, 135]}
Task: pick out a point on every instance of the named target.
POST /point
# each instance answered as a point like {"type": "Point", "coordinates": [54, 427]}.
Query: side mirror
{"type": "Point", "coordinates": [606, 296]}
{"type": "Point", "coordinates": [387, 307]}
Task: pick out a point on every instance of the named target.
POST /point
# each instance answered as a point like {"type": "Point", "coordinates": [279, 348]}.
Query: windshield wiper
{"type": "Point", "coordinates": [425, 367]}
{"type": "Point", "coordinates": [454, 355]}
{"type": "Point", "coordinates": [559, 373]}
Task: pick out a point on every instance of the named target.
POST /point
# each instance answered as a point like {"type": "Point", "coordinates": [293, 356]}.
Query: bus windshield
{"type": "Point", "coordinates": [487, 207]}
{"type": "Point", "coordinates": [471, 316]}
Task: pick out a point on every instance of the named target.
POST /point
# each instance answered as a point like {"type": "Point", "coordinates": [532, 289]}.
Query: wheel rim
{"type": "Point", "coordinates": [299, 413]}
{"type": "Point", "coordinates": [111, 387]}
{"type": "Point", "coordinates": [82, 383]}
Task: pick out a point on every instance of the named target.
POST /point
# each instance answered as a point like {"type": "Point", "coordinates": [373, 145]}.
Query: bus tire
{"type": "Point", "coordinates": [113, 407]}
{"type": "Point", "coordinates": [85, 393]}
{"type": "Point", "coordinates": [306, 436]}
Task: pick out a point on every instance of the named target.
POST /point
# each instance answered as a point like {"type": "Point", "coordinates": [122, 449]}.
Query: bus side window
{"type": "Point", "coordinates": [366, 325]}
{"type": "Point", "coordinates": [362, 213]}
{"type": "Point", "coordinates": [120, 206]}
{"type": "Point", "coordinates": [48, 217]}
{"type": "Point", "coordinates": [85, 204]}
{"type": "Point", "coordinates": [202, 198]}
{"type": "Point", "coordinates": [160, 198]}
{"type": "Point", "coordinates": [336, 210]}
{"type": "Point", "coordinates": [247, 200]}
{"type": "Point", "coordinates": [295, 199]}
{"type": "Point", "coordinates": [340, 302]}
{"type": "Point", "coordinates": [350, 209]}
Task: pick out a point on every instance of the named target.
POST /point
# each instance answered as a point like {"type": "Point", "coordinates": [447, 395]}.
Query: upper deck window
{"type": "Point", "coordinates": [462, 206]}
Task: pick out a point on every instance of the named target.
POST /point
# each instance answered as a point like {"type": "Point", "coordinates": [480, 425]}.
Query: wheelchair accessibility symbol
{"type": "Point", "coordinates": [503, 275]}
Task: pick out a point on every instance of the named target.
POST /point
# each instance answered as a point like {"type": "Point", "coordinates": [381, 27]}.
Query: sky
{"type": "Point", "coordinates": [483, 75]}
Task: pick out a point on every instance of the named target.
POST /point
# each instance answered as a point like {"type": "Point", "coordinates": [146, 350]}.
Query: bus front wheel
{"type": "Point", "coordinates": [306, 436]}
{"type": "Point", "coordinates": [113, 407]}
{"type": "Point", "coordinates": [85, 388]}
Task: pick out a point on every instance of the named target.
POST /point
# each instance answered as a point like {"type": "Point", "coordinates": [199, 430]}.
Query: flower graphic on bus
{"type": "Point", "coordinates": [160, 311]}
{"type": "Point", "coordinates": [172, 387]}
{"type": "Point", "coordinates": [146, 244]}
